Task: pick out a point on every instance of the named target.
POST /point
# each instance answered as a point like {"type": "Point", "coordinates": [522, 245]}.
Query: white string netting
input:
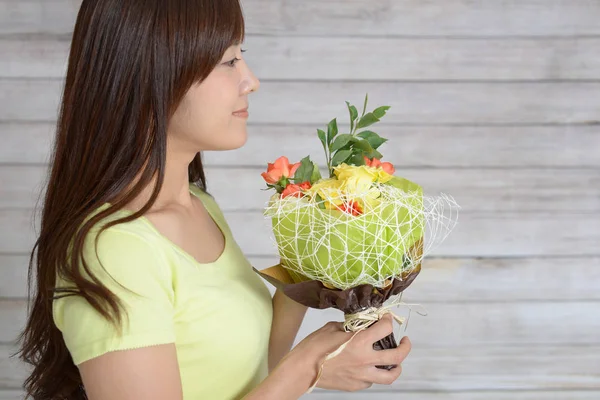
{"type": "Point", "coordinates": [395, 231]}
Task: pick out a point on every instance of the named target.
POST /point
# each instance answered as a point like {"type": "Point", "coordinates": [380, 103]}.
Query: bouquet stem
{"type": "Point", "coordinates": [387, 343]}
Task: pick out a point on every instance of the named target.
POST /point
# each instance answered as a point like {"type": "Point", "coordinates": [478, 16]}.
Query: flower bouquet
{"type": "Point", "coordinates": [356, 237]}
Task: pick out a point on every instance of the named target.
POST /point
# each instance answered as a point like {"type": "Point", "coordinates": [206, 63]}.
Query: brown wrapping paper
{"type": "Point", "coordinates": [314, 294]}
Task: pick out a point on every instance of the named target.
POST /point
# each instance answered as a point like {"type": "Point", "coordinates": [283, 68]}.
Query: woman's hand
{"type": "Point", "coordinates": [355, 367]}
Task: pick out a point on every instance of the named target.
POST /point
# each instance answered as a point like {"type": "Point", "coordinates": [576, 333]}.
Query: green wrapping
{"type": "Point", "coordinates": [342, 250]}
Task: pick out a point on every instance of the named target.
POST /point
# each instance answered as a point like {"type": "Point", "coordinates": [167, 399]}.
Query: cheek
{"type": "Point", "coordinates": [206, 116]}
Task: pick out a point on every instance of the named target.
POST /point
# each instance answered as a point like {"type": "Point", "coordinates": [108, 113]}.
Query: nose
{"type": "Point", "coordinates": [249, 82]}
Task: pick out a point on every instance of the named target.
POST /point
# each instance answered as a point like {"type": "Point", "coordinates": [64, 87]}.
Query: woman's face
{"type": "Point", "coordinates": [213, 113]}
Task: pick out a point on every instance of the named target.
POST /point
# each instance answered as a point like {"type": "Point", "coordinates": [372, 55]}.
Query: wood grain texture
{"type": "Point", "coordinates": [489, 368]}
{"type": "Point", "coordinates": [401, 393]}
{"type": "Point", "coordinates": [313, 102]}
{"type": "Point", "coordinates": [441, 279]}
{"type": "Point", "coordinates": [494, 102]}
{"type": "Point", "coordinates": [465, 146]}
{"type": "Point", "coordinates": [412, 18]}
{"type": "Point", "coordinates": [11, 394]}
{"type": "Point", "coordinates": [463, 324]}
{"type": "Point", "coordinates": [478, 234]}
{"type": "Point", "coordinates": [342, 58]}
{"type": "Point", "coordinates": [561, 190]}
{"type": "Point", "coordinates": [383, 394]}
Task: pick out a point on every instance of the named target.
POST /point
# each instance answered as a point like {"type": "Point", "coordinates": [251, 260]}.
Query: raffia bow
{"type": "Point", "coordinates": [360, 321]}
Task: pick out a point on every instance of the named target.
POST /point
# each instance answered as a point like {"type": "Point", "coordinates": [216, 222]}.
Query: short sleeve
{"type": "Point", "coordinates": [139, 275]}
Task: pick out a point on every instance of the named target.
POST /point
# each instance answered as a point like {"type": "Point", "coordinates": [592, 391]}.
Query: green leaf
{"type": "Point", "coordinates": [322, 138]}
{"type": "Point", "coordinates": [357, 159]}
{"type": "Point", "coordinates": [365, 105]}
{"type": "Point", "coordinates": [379, 112]}
{"type": "Point", "coordinates": [332, 130]}
{"type": "Point", "coordinates": [316, 174]}
{"type": "Point", "coordinates": [305, 171]}
{"type": "Point", "coordinates": [374, 154]}
{"type": "Point", "coordinates": [320, 202]}
{"type": "Point", "coordinates": [340, 142]}
{"type": "Point", "coordinates": [278, 188]}
{"type": "Point", "coordinates": [366, 120]}
{"type": "Point", "coordinates": [374, 139]}
{"type": "Point", "coordinates": [353, 115]}
{"type": "Point", "coordinates": [340, 157]}
{"type": "Point", "coordinates": [364, 146]}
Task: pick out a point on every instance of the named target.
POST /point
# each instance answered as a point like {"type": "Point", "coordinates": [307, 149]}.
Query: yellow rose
{"type": "Point", "coordinates": [361, 190]}
{"type": "Point", "coordinates": [344, 171]}
{"type": "Point", "coordinates": [329, 190]}
{"type": "Point", "coordinates": [357, 184]}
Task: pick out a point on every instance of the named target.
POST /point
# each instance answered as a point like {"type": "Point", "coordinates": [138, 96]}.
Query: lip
{"type": "Point", "coordinates": [243, 110]}
{"type": "Point", "coordinates": [243, 113]}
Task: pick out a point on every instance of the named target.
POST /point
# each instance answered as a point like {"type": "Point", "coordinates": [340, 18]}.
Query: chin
{"type": "Point", "coordinates": [234, 140]}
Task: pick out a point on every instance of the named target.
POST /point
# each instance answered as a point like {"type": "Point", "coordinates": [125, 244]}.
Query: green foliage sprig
{"type": "Point", "coordinates": [351, 148]}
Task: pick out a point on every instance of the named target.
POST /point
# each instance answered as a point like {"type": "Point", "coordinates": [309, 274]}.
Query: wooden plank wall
{"type": "Point", "coordinates": [495, 102]}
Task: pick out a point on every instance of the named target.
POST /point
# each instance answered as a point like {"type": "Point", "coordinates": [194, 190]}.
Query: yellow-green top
{"type": "Point", "coordinates": [218, 314]}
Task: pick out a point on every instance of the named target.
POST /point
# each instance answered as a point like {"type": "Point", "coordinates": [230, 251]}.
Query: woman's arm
{"type": "Point", "coordinates": [149, 373]}
{"type": "Point", "coordinates": [289, 380]}
{"type": "Point", "coordinates": [287, 318]}
{"type": "Point", "coordinates": [152, 373]}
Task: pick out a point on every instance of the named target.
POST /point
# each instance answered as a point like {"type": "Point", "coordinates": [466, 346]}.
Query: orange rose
{"type": "Point", "coordinates": [351, 207]}
{"type": "Point", "coordinates": [386, 166]}
{"type": "Point", "coordinates": [281, 168]}
{"type": "Point", "coordinates": [295, 190]}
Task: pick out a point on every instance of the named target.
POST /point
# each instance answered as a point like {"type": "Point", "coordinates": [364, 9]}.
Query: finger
{"type": "Point", "coordinates": [380, 329]}
{"type": "Point", "coordinates": [393, 356]}
{"type": "Point", "coordinates": [382, 376]}
{"type": "Point", "coordinates": [335, 325]}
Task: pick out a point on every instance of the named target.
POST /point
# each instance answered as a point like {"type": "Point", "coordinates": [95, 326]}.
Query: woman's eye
{"type": "Point", "coordinates": [232, 62]}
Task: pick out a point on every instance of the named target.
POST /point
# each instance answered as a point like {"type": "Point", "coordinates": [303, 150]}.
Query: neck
{"type": "Point", "coordinates": [175, 187]}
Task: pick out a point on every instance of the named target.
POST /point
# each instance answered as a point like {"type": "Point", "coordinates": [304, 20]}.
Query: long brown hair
{"type": "Point", "coordinates": [130, 65]}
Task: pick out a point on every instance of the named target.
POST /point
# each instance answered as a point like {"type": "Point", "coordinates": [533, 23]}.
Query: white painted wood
{"type": "Point", "coordinates": [342, 58]}
{"type": "Point", "coordinates": [415, 17]}
{"type": "Point", "coordinates": [461, 324]}
{"type": "Point", "coordinates": [478, 234]}
{"type": "Point", "coordinates": [38, 16]}
{"type": "Point", "coordinates": [501, 98]}
{"type": "Point", "coordinates": [471, 368]}
{"type": "Point", "coordinates": [26, 142]}
{"type": "Point", "coordinates": [13, 270]}
{"type": "Point", "coordinates": [354, 17]}
{"type": "Point", "coordinates": [465, 146]}
{"type": "Point", "coordinates": [27, 58]}
{"type": "Point", "coordinates": [379, 394]}
{"type": "Point", "coordinates": [11, 394]}
{"type": "Point", "coordinates": [12, 370]}
{"type": "Point", "coordinates": [13, 314]}
{"type": "Point", "coordinates": [350, 58]}
{"type": "Point", "coordinates": [441, 279]}
{"type": "Point", "coordinates": [292, 102]}
{"type": "Point", "coordinates": [31, 100]}
{"type": "Point", "coordinates": [400, 393]}
{"type": "Point", "coordinates": [565, 190]}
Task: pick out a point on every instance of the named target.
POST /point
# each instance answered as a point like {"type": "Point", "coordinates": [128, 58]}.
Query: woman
{"type": "Point", "coordinates": [141, 291]}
